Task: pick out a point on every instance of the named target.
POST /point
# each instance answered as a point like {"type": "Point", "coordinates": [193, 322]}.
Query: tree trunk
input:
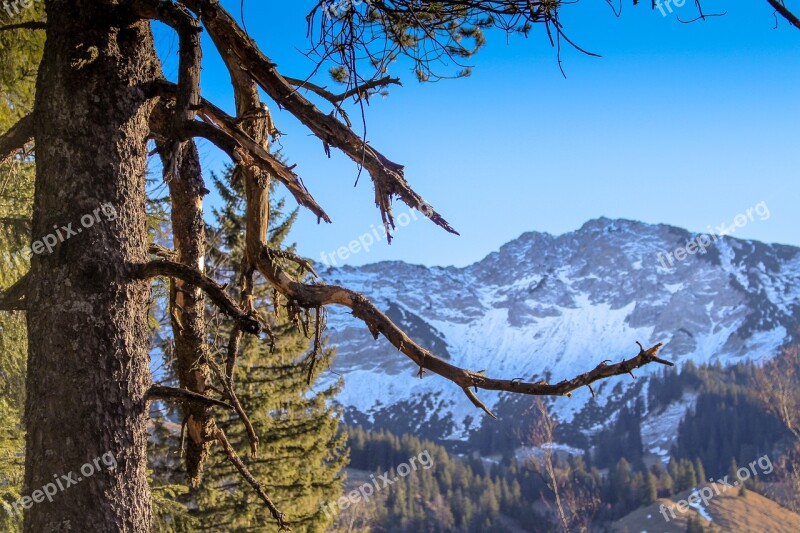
{"type": "Point", "coordinates": [88, 370]}
{"type": "Point", "coordinates": [187, 306]}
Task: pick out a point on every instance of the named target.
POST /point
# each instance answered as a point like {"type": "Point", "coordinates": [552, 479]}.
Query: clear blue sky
{"type": "Point", "coordinates": [685, 124]}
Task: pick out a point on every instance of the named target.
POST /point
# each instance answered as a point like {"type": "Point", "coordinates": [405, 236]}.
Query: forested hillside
{"type": "Point", "coordinates": [608, 475]}
{"type": "Point", "coordinates": [399, 266]}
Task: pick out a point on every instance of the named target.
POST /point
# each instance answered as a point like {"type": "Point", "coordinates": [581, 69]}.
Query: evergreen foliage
{"type": "Point", "coordinates": [727, 422]}
{"type": "Point", "coordinates": [453, 495]}
{"type": "Point", "coordinates": [20, 53]}
{"type": "Point", "coordinates": [301, 450]}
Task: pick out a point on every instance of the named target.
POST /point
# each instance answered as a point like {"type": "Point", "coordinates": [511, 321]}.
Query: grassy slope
{"type": "Point", "coordinates": [730, 512]}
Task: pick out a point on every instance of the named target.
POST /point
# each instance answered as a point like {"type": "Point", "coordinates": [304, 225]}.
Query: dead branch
{"type": "Point", "coordinates": [360, 91]}
{"type": "Point", "coordinates": [160, 392]}
{"type": "Point", "coordinates": [13, 298]}
{"type": "Point", "coordinates": [190, 53]}
{"type": "Point", "coordinates": [171, 269]}
{"type": "Point", "coordinates": [259, 488]}
{"type": "Point", "coordinates": [260, 158]}
{"type": "Point", "coordinates": [387, 176]}
{"type": "Point", "coordinates": [17, 137]}
{"type": "Point", "coordinates": [31, 25]}
{"type": "Point", "coordinates": [189, 59]}
{"type": "Point", "coordinates": [370, 85]}
{"type": "Point", "coordinates": [324, 93]}
{"type": "Point", "coordinates": [294, 258]}
{"type": "Point", "coordinates": [221, 129]}
{"type": "Point", "coordinates": [256, 125]}
{"type": "Point", "coordinates": [312, 296]}
{"type": "Point", "coordinates": [187, 303]}
{"type": "Point", "coordinates": [781, 9]}
{"type": "Point", "coordinates": [227, 385]}
{"type": "Point", "coordinates": [233, 352]}
{"type": "Point", "coordinates": [162, 252]}
{"type": "Point", "coordinates": [315, 352]}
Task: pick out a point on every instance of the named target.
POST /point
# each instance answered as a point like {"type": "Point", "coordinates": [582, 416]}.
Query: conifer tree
{"type": "Point", "coordinates": [700, 471]}
{"type": "Point", "coordinates": [689, 475]}
{"type": "Point", "coordinates": [100, 98]}
{"type": "Point", "coordinates": [651, 488]}
{"type": "Point", "coordinates": [667, 484]}
{"type": "Point", "coordinates": [20, 52]}
{"type": "Point", "coordinates": [621, 481]}
{"type": "Point", "coordinates": [301, 450]}
{"type": "Point", "coordinates": [733, 471]}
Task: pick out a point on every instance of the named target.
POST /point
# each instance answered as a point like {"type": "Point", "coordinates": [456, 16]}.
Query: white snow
{"type": "Point", "coordinates": [595, 314]}
{"type": "Point", "coordinates": [659, 429]}
{"type": "Point", "coordinates": [699, 506]}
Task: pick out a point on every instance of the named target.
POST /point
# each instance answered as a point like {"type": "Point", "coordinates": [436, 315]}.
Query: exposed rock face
{"type": "Point", "coordinates": [560, 304]}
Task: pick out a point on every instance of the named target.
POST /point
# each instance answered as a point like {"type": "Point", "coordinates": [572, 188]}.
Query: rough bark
{"type": "Point", "coordinates": [187, 305]}
{"type": "Point", "coordinates": [88, 378]}
{"type": "Point", "coordinates": [88, 369]}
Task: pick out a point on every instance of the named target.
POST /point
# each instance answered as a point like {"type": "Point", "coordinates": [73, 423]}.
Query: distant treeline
{"type": "Point", "coordinates": [727, 427]}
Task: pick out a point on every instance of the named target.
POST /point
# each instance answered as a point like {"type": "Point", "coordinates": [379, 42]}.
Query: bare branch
{"type": "Point", "coordinates": [387, 176]}
{"type": "Point", "coordinates": [191, 276]}
{"type": "Point", "coordinates": [221, 129]}
{"type": "Point", "coordinates": [162, 252]}
{"type": "Point", "coordinates": [370, 85]}
{"type": "Point", "coordinates": [189, 59]}
{"type": "Point", "coordinates": [262, 159]}
{"type": "Point", "coordinates": [13, 298]}
{"type": "Point", "coordinates": [259, 488]}
{"type": "Point", "coordinates": [781, 8]}
{"type": "Point", "coordinates": [315, 352]}
{"type": "Point", "coordinates": [160, 392]}
{"type": "Point", "coordinates": [31, 25]}
{"type": "Point", "coordinates": [327, 95]}
{"type": "Point", "coordinates": [187, 303]}
{"type": "Point", "coordinates": [312, 296]}
{"type": "Point", "coordinates": [294, 258]}
{"type": "Point", "coordinates": [17, 137]}
{"type": "Point", "coordinates": [360, 91]}
{"type": "Point", "coordinates": [227, 384]}
{"type": "Point", "coordinates": [233, 352]}
{"type": "Point", "coordinates": [190, 54]}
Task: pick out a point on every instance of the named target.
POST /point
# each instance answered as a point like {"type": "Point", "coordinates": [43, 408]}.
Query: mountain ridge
{"type": "Point", "coordinates": [559, 304]}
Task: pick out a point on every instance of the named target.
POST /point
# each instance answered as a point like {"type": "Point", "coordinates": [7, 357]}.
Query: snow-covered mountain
{"type": "Point", "coordinates": [559, 305]}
